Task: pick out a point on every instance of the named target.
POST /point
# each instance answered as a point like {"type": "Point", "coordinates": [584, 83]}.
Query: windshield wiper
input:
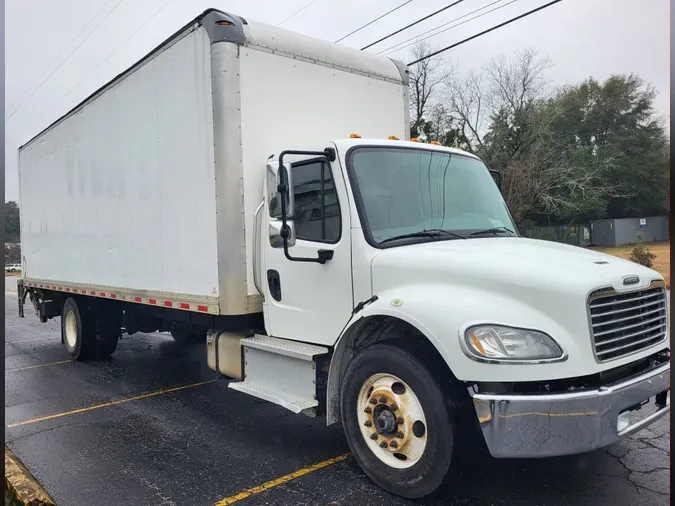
{"type": "Point", "coordinates": [433, 232]}
{"type": "Point", "coordinates": [494, 231]}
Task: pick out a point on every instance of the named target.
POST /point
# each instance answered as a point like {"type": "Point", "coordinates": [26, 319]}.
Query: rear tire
{"type": "Point", "coordinates": [109, 330]}
{"type": "Point", "coordinates": [185, 333]}
{"type": "Point", "coordinates": [78, 330]}
{"type": "Point", "coordinates": [423, 430]}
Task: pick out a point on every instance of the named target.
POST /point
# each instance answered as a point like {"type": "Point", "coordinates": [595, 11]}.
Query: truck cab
{"type": "Point", "coordinates": [434, 319]}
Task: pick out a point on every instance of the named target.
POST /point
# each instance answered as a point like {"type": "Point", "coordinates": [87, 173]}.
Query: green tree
{"type": "Point", "coordinates": [615, 122]}
{"type": "Point", "coordinates": [12, 226]}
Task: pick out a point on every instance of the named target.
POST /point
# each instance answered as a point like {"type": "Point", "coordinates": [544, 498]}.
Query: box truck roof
{"type": "Point", "coordinates": [225, 27]}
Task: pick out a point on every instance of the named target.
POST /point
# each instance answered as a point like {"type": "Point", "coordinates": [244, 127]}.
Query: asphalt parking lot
{"type": "Point", "coordinates": [152, 426]}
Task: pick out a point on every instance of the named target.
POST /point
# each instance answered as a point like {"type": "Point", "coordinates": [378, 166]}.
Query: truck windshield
{"type": "Point", "coordinates": [420, 194]}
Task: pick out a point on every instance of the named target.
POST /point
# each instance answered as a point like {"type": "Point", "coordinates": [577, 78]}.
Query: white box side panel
{"type": "Point", "coordinates": [291, 104]}
{"type": "Point", "coordinates": [122, 193]}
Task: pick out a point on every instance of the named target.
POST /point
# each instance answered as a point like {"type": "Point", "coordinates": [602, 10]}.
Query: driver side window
{"type": "Point", "coordinates": [317, 210]}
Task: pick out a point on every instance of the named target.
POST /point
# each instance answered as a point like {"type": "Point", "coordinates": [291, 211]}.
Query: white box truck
{"type": "Point", "coordinates": [214, 190]}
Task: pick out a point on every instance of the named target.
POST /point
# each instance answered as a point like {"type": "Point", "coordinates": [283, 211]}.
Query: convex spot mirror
{"type": "Point", "coordinates": [276, 233]}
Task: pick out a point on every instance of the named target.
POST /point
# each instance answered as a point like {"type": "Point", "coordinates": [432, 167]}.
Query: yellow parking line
{"type": "Point", "coordinates": [279, 481]}
{"type": "Point", "coordinates": [106, 404]}
{"type": "Point", "coordinates": [39, 365]}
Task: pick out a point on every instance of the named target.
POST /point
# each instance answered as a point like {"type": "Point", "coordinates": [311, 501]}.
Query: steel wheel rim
{"type": "Point", "coordinates": [71, 329]}
{"type": "Point", "coordinates": [381, 397]}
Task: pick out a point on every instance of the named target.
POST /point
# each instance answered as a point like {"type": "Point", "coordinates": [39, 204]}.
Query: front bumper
{"type": "Point", "coordinates": [527, 426]}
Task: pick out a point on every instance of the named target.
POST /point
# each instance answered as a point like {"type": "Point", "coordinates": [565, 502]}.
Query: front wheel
{"type": "Point", "coordinates": [398, 420]}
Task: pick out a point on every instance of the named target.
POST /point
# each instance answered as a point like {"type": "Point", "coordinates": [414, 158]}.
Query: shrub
{"type": "Point", "coordinates": [641, 254]}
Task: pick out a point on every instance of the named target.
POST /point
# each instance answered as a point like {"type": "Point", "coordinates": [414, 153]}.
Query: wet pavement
{"type": "Point", "coordinates": [203, 443]}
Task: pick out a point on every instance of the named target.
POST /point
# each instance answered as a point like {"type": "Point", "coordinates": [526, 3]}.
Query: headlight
{"type": "Point", "coordinates": [493, 342]}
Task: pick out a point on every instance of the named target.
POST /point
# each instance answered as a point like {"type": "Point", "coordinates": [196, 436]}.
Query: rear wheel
{"type": "Point", "coordinates": [185, 333]}
{"type": "Point", "coordinates": [398, 421]}
{"type": "Point", "coordinates": [109, 330]}
{"type": "Point", "coordinates": [78, 330]}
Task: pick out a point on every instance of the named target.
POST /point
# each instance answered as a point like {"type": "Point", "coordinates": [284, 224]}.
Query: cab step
{"type": "Point", "coordinates": [281, 371]}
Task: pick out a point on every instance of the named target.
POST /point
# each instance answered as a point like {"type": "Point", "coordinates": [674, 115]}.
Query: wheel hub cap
{"type": "Point", "coordinates": [71, 329]}
{"type": "Point", "coordinates": [392, 420]}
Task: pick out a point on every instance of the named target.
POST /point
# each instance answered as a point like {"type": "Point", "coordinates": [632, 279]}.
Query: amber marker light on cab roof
{"type": "Point", "coordinates": [354, 136]}
{"type": "Point", "coordinates": [392, 138]}
{"type": "Point", "coordinates": [414, 139]}
{"type": "Point", "coordinates": [435, 143]}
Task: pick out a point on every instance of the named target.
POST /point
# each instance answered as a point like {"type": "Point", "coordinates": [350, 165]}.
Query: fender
{"type": "Point", "coordinates": [341, 355]}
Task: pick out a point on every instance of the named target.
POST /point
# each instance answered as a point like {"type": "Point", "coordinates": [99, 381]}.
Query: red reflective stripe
{"type": "Point", "coordinates": [60, 288]}
{"type": "Point", "coordinates": [183, 305]}
{"type": "Point", "coordinates": [152, 301]}
{"type": "Point", "coordinates": [67, 289]}
{"type": "Point", "coordinates": [168, 303]}
{"type": "Point", "coordinates": [84, 291]}
{"type": "Point", "coordinates": [113, 296]}
{"type": "Point", "coordinates": [202, 308]}
{"type": "Point", "coordinates": [40, 286]}
{"type": "Point", "coordinates": [102, 294]}
{"type": "Point", "coordinates": [138, 299]}
{"type": "Point", "coordinates": [92, 292]}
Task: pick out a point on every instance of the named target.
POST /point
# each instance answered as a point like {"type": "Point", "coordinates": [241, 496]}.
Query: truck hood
{"type": "Point", "coordinates": [444, 287]}
{"type": "Point", "coordinates": [507, 264]}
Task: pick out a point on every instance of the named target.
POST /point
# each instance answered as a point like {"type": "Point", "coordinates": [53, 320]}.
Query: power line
{"type": "Point", "coordinates": [483, 32]}
{"type": "Point", "coordinates": [296, 12]}
{"type": "Point", "coordinates": [436, 28]}
{"type": "Point", "coordinates": [113, 52]}
{"type": "Point", "coordinates": [398, 47]}
{"type": "Point", "coordinates": [69, 54]}
{"type": "Point", "coordinates": [373, 21]}
{"type": "Point", "coordinates": [412, 24]}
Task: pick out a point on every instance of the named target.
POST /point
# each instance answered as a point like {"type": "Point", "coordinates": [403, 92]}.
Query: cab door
{"type": "Point", "coordinates": [306, 300]}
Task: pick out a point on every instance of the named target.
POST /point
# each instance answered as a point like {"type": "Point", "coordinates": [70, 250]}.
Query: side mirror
{"type": "Point", "coordinates": [276, 177]}
{"type": "Point", "coordinates": [497, 176]}
{"type": "Point", "coordinates": [276, 233]}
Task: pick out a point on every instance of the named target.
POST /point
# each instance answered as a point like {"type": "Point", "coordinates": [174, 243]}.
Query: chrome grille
{"type": "Point", "coordinates": [624, 323]}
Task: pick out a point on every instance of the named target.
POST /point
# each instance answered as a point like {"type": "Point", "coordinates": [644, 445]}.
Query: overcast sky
{"type": "Point", "coordinates": [582, 38]}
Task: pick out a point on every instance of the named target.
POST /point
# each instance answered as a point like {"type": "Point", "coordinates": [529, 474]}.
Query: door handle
{"type": "Point", "coordinates": [274, 283]}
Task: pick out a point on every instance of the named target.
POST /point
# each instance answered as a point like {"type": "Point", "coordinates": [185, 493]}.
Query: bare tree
{"type": "Point", "coordinates": [425, 79]}
{"type": "Point", "coordinates": [517, 84]}
{"type": "Point", "coordinates": [509, 87]}
{"type": "Point", "coordinates": [466, 99]}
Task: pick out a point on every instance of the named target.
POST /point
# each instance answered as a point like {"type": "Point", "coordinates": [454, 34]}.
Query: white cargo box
{"type": "Point", "coordinates": [147, 189]}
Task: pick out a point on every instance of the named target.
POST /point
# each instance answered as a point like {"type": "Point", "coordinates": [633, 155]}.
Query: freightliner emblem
{"type": "Point", "coordinates": [631, 280]}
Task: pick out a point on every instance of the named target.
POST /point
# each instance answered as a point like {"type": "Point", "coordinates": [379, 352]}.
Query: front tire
{"type": "Point", "coordinates": [398, 421]}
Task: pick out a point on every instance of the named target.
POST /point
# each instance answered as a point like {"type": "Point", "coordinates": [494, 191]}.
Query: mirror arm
{"type": "Point", "coordinates": [323, 255]}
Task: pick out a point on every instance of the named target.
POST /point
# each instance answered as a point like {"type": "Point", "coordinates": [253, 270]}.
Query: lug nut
{"type": "Point", "coordinates": [368, 423]}
{"type": "Point", "coordinates": [383, 399]}
{"type": "Point", "coordinates": [393, 444]}
{"type": "Point", "coordinates": [368, 410]}
{"type": "Point", "coordinates": [383, 444]}
{"type": "Point", "coordinates": [399, 420]}
{"type": "Point", "coordinates": [399, 435]}
{"type": "Point", "coordinates": [373, 400]}
{"type": "Point", "coordinates": [393, 407]}
{"type": "Point", "coordinates": [373, 437]}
